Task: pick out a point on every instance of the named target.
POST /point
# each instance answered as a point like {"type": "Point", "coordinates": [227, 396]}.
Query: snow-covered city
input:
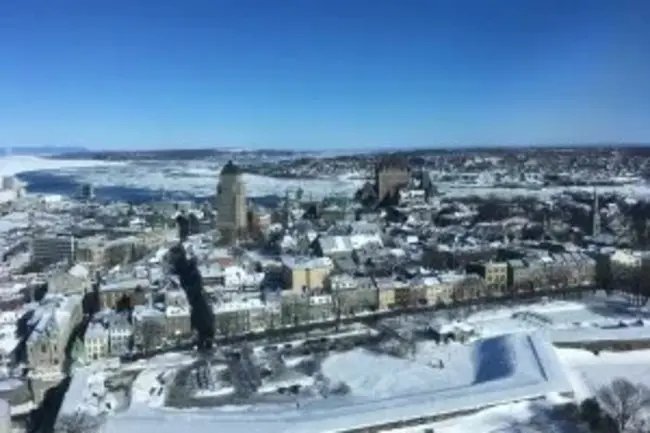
{"type": "Point", "coordinates": [322, 216]}
{"type": "Point", "coordinates": [394, 304]}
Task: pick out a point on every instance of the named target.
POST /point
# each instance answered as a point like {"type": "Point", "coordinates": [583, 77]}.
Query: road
{"type": "Point", "coordinates": [369, 318]}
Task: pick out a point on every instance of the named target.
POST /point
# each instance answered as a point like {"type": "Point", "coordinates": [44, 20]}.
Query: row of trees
{"type": "Point", "coordinates": [620, 407]}
{"type": "Point", "coordinates": [632, 280]}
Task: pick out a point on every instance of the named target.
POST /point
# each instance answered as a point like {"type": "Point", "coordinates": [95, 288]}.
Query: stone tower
{"type": "Point", "coordinates": [232, 217]}
{"type": "Point", "coordinates": [391, 174]}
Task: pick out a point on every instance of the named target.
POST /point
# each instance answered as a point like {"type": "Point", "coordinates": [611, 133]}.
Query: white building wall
{"type": "Point", "coordinates": [5, 417]}
{"type": "Point", "coordinates": [119, 340]}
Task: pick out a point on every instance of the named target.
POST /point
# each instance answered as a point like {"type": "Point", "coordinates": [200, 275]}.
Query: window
{"type": "Point", "coordinates": [43, 348]}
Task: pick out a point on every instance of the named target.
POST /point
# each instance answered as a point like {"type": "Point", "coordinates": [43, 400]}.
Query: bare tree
{"type": "Point", "coordinates": [624, 401]}
{"type": "Point", "coordinates": [470, 287]}
{"type": "Point", "coordinates": [338, 308]}
{"type": "Point", "coordinates": [557, 279]}
{"type": "Point", "coordinates": [227, 324]}
{"type": "Point", "coordinates": [79, 422]}
{"type": "Point", "coordinates": [151, 334]}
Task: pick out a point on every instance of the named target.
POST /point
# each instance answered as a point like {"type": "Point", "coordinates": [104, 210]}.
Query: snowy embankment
{"type": "Point", "coordinates": [385, 389]}
{"type": "Point", "coordinates": [587, 373]}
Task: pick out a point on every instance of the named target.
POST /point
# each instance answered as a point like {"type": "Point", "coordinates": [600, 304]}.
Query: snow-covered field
{"type": "Point", "coordinates": [594, 318]}
{"type": "Point", "coordinates": [506, 418]}
{"type": "Point", "coordinates": [587, 373]}
{"type": "Point", "coordinates": [382, 389]}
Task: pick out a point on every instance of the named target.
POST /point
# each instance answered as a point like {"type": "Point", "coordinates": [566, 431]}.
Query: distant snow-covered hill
{"type": "Point", "coordinates": [41, 150]}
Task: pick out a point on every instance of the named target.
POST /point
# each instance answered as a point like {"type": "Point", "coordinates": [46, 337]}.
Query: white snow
{"type": "Point", "coordinates": [634, 191]}
{"type": "Point", "coordinates": [507, 418]}
{"type": "Point", "coordinates": [11, 165]}
{"type": "Point", "coordinates": [592, 319]}
{"type": "Point", "coordinates": [492, 371]}
{"type": "Point", "coordinates": [148, 388]}
{"type": "Point", "coordinates": [588, 372]}
{"type": "Point", "coordinates": [80, 391]}
{"type": "Point", "coordinates": [200, 178]}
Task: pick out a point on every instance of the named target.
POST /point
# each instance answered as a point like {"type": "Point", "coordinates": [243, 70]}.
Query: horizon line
{"type": "Point", "coordinates": [333, 149]}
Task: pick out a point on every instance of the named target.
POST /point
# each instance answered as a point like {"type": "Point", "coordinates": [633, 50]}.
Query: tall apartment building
{"type": "Point", "coordinates": [52, 249]}
{"type": "Point", "coordinates": [391, 174]}
{"type": "Point", "coordinates": [232, 218]}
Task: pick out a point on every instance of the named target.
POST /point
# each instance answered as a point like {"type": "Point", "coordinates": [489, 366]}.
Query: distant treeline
{"type": "Point", "coordinates": [173, 154]}
{"type": "Point", "coordinates": [628, 149]}
{"type": "Point", "coordinates": [41, 150]}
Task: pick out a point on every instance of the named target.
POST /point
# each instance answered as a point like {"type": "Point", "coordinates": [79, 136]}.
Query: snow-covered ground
{"type": "Point", "coordinates": [587, 373]}
{"type": "Point", "coordinates": [200, 178]}
{"type": "Point", "coordinates": [497, 370]}
{"type": "Point", "coordinates": [636, 191]}
{"type": "Point", "coordinates": [506, 418]}
{"type": "Point", "coordinates": [87, 391]}
{"type": "Point", "coordinates": [383, 389]}
{"type": "Point", "coordinates": [594, 318]}
{"type": "Point", "coordinates": [12, 165]}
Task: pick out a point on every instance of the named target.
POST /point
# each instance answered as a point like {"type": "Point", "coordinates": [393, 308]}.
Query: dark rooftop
{"type": "Point", "coordinates": [230, 169]}
{"type": "Point", "coordinates": [392, 161]}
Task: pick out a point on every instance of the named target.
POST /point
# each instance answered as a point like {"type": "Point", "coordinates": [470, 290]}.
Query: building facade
{"type": "Point", "coordinates": [55, 319]}
{"type": "Point", "coordinates": [305, 274]}
{"type": "Point", "coordinates": [51, 249]}
{"type": "Point", "coordinates": [391, 174]}
{"type": "Point", "coordinates": [232, 212]}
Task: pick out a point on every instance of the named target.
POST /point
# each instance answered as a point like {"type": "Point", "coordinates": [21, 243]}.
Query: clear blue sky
{"type": "Point", "coordinates": [323, 74]}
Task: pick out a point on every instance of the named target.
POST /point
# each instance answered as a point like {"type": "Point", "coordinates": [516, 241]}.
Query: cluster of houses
{"type": "Point", "coordinates": [311, 290]}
